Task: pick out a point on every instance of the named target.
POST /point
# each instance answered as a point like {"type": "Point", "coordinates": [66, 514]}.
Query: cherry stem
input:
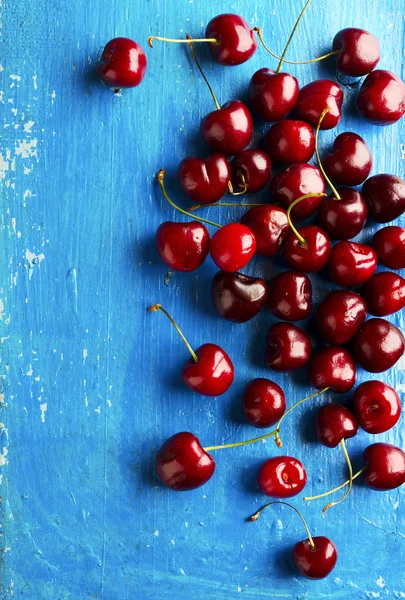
{"type": "Point", "coordinates": [257, 514]}
{"type": "Point", "coordinates": [244, 443]}
{"type": "Point", "coordinates": [301, 240]}
{"type": "Point", "coordinates": [190, 43]}
{"type": "Point", "coordinates": [277, 438]}
{"type": "Point", "coordinates": [292, 35]}
{"type": "Point", "coordinates": [151, 38]}
{"type": "Point", "coordinates": [250, 204]}
{"type": "Point", "coordinates": [161, 177]}
{"type": "Point", "coordinates": [332, 187]}
{"type": "Point", "coordinates": [259, 32]}
{"type": "Point", "coordinates": [347, 492]}
{"type": "Point", "coordinates": [155, 308]}
{"type": "Point", "coordinates": [336, 489]}
{"type": "Point", "coordinates": [230, 187]}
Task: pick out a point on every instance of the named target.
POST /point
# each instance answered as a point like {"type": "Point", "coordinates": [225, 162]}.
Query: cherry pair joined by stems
{"type": "Point", "coordinates": [123, 64]}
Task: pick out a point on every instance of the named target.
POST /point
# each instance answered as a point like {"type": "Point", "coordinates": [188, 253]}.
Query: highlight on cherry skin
{"type": "Point", "coordinates": [122, 64]}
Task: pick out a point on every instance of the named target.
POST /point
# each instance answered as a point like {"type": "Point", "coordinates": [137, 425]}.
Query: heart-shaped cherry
{"type": "Point", "coordinates": [340, 316]}
{"type": "Point", "coordinates": [385, 196]}
{"type": "Point", "coordinates": [389, 245]}
{"type": "Point", "coordinates": [237, 297]}
{"type": "Point", "coordinates": [282, 477]}
{"type": "Point", "coordinates": [272, 95]}
{"type": "Point", "coordinates": [288, 347]}
{"type": "Point", "coordinates": [205, 181]}
{"type": "Point", "coordinates": [122, 64]}
{"type": "Point", "coordinates": [378, 345]}
{"type": "Point", "coordinates": [384, 293]}
{"type": "Point", "coordinates": [334, 423]}
{"type": "Point", "coordinates": [384, 467]}
{"type": "Point", "coordinates": [377, 406]}
{"type": "Point", "coordinates": [381, 99]}
{"type": "Point", "coordinates": [314, 98]}
{"type": "Point", "coordinates": [263, 402]}
{"type": "Point", "coordinates": [351, 264]}
{"type": "Point", "coordinates": [251, 170]}
{"type": "Point", "coordinates": [290, 142]}
{"type": "Point", "coordinates": [290, 296]}
{"type": "Point", "coordinates": [332, 367]}
{"type": "Point", "coordinates": [295, 181]}
{"type": "Point", "coordinates": [183, 246]}
{"type": "Point", "coordinates": [359, 51]}
{"type": "Point", "coordinates": [270, 227]}
{"type": "Point", "coordinates": [350, 161]}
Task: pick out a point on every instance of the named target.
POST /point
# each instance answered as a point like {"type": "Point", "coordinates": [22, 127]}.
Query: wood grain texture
{"type": "Point", "coordinates": [90, 380]}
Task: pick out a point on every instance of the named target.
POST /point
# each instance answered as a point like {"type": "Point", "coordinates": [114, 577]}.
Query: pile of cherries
{"type": "Point", "coordinates": [296, 192]}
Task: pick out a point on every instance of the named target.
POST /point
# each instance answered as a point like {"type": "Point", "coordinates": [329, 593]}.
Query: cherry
{"type": "Point", "coordinates": [359, 51]}
{"type": "Point", "coordinates": [290, 142]}
{"type": "Point", "coordinates": [377, 406]}
{"type": "Point", "coordinates": [381, 99]}
{"type": "Point", "coordinates": [183, 246]}
{"type": "Point", "coordinates": [288, 347]}
{"type": "Point", "coordinates": [270, 227]}
{"type": "Point", "coordinates": [350, 161]}
{"type": "Point", "coordinates": [314, 98]}
{"type": "Point", "coordinates": [384, 293]}
{"type": "Point", "coordinates": [332, 367]}
{"type": "Point", "coordinates": [122, 64]}
{"type": "Point", "coordinates": [307, 249]}
{"type": "Point", "coordinates": [282, 477]}
{"type": "Point", "coordinates": [290, 296]}
{"type": "Point", "coordinates": [385, 196]}
{"type": "Point", "coordinates": [205, 181]}
{"type": "Point", "coordinates": [272, 95]}
{"type": "Point", "coordinates": [351, 264]}
{"type": "Point", "coordinates": [210, 371]}
{"type": "Point", "coordinates": [334, 423]}
{"type": "Point", "coordinates": [228, 129]}
{"type": "Point", "coordinates": [384, 467]}
{"type": "Point", "coordinates": [389, 245]}
{"type": "Point", "coordinates": [378, 345]}
{"type": "Point", "coordinates": [340, 315]}
{"type": "Point", "coordinates": [295, 181]}
{"type": "Point", "coordinates": [251, 170]}
{"type": "Point", "coordinates": [238, 297]}
{"type": "Point", "coordinates": [263, 402]}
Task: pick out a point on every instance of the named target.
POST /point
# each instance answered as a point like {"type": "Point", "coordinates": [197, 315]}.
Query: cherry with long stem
{"type": "Point", "coordinates": [157, 307]}
{"type": "Point", "coordinates": [347, 492]}
{"type": "Point", "coordinates": [328, 181]}
{"type": "Point", "coordinates": [243, 443]}
{"type": "Point", "coordinates": [258, 513]}
{"type": "Point", "coordinates": [190, 41]}
{"type": "Point", "coordinates": [336, 489]}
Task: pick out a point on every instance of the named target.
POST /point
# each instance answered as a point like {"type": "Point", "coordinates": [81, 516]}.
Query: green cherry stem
{"type": "Point", "coordinates": [230, 187]}
{"type": "Point", "coordinates": [328, 181]}
{"type": "Point", "coordinates": [190, 43]}
{"type": "Point", "coordinates": [244, 443]}
{"type": "Point", "coordinates": [336, 489]}
{"type": "Point", "coordinates": [292, 35]}
{"type": "Point", "coordinates": [301, 240]}
{"type": "Point", "coordinates": [157, 307]}
{"type": "Point", "coordinates": [257, 514]}
{"type": "Point", "coordinates": [151, 38]}
{"type": "Point", "coordinates": [249, 204]}
{"type": "Point", "coordinates": [347, 492]}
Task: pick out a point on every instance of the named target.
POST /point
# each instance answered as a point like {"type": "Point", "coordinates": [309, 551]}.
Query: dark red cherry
{"type": "Point", "coordinates": [381, 99]}
{"type": "Point", "coordinates": [229, 129]}
{"type": "Point", "coordinates": [183, 246]}
{"type": "Point", "coordinates": [340, 316]}
{"type": "Point", "coordinates": [318, 562]}
{"type": "Point", "coordinates": [385, 467]}
{"type": "Point", "coordinates": [236, 41]}
{"type": "Point", "coordinates": [385, 196]}
{"type": "Point", "coordinates": [389, 245]}
{"type": "Point", "coordinates": [350, 161]}
{"type": "Point", "coordinates": [232, 247]}
{"type": "Point", "coordinates": [213, 374]}
{"type": "Point", "coordinates": [378, 345]}
{"type": "Point", "coordinates": [377, 406]}
{"type": "Point", "coordinates": [295, 181]}
{"type": "Point", "coordinates": [309, 256]}
{"type": "Point", "coordinates": [290, 296]}
{"type": "Point", "coordinates": [263, 402]}
{"type": "Point", "coordinates": [238, 297]}
{"type": "Point", "coordinates": [351, 264]}
{"type": "Point", "coordinates": [314, 98]}
{"type": "Point", "coordinates": [332, 367]}
{"type": "Point", "coordinates": [205, 181]}
{"type": "Point", "coordinates": [282, 477]}
{"type": "Point", "coordinates": [251, 169]}
{"type": "Point", "coordinates": [272, 95]}
{"type": "Point", "coordinates": [269, 225]}
{"type": "Point", "coordinates": [182, 463]}
{"type": "Point", "coordinates": [334, 423]}
{"type": "Point", "coordinates": [288, 347]}
{"type": "Point", "coordinates": [384, 293]}
{"type": "Point", "coordinates": [359, 51]}
{"type": "Point", "coordinates": [345, 218]}
{"type": "Point", "coordinates": [123, 64]}
{"type": "Point", "coordinates": [290, 142]}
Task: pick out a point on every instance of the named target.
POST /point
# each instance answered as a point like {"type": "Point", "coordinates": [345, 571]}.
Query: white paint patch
{"type": "Point", "coordinates": [27, 148]}
{"type": "Point", "coordinates": [30, 372]}
{"type": "Point", "coordinates": [156, 534]}
{"type": "Point", "coordinates": [85, 355]}
{"type": "Point", "coordinates": [34, 79]}
{"type": "Point", "coordinates": [33, 259]}
{"type": "Point", "coordinates": [1, 309]}
{"type": "Point", "coordinates": [44, 408]}
{"type": "Point", "coordinates": [28, 126]}
{"type": "Point", "coordinates": [98, 410]}
{"type": "Point", "coordinates": [3, 457]}
{"type": "Point", "coordinates": [15, 77]}
{"type": "Point", "coordinates": [380, 582]}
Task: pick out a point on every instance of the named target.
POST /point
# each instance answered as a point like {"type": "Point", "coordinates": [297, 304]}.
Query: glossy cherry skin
{"type": "Point", "coordinates": [182, 464]}
{"type": "Point", "coordinates": [255, 166]}
{"type": "Point", "coordinates": [378, 345]}
{"type": "Point", "coordinates": [123, 64]}
{"type": "Point", "coordinates": [288, 347]}
{"type": "Point", "coordinates": [359, 51]}
{"type": "Point", "coordinates": [213, 374]}
{"type": "Point", "coordinates": [385, 467]}
{"type": "Point", "coordinates": [385, 196]}
{"type": "Point", "coordinates": [343, 219]}
{"type": "Point", "coordinates": [377, 406]}
{"type": "Point", "coordinates": [290, 142]}
{"type": "Point", "coordinates": [205, 181]}
{"type": "Point", "coordinates": [381, 99]}
{"type": "Point", "coordinates": [295, 181]}
{"type": "Point", "coordinates": [311, 256]}
{"type": "Point", "coordinates": [318, 562]}
{"type": "Point", "coordinates": [389, 245]}
{"type": "Point", "coordinates": [350, 161]}
{"type": "Point", "coordinates": [334, 423]}
{"type": "Point", "coordinates": [314, 98]}
{"type": "Point", "coordinates": [351, 264]}
{"type": "Point", "coordinates": [229, 129]}
{"type": "Point", "coordinates": [290, 296]}
{"type": "Point", "coordinates": [384, 293]}
{"type": "Point", "coordinates": [232, 247]}
{"type": "Point", "coordinates": [282, 477]}
{"type": "Point", "coordinates": [183, 246]}
{"type": "Point", "coordinates": [236, 41]}
{"type": "Point", "coordinates": [263, 402]}
{"type": "Point", "coordinates": [272, 95]}
{"type": "Point", "coordinates": [332, 367]}
{"type": "Point", "coordinates": [237, 297]}
{"type": "Point", "coordinates": [270, 227]}
{"type": "Point", "coordinates": [340, 316]}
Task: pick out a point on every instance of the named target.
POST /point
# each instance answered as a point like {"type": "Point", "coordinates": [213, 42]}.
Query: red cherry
{"type": "Point", "coordinates": [238, 297]}
{"type": "Point", "coordinates": [295, 181]}
{"type": "Point", "coordinates": [269, 225]}
{"type": "Point", "coordinates": [340, 316]}
{"type": "Point", "coordinates": [263, 402]}
{"type": "Point", "coordinates": [272, 95]}
{"type": "Point", "coordinates": [251, 170]}
{"type": "Point", "coordinates": [290, 296]}
{"type": "Point", "coordinates": [183, 246]}
{"type": "Point", "coordinates": [236, 41]}
{"type": "Point", "coordinates": [385, 467]}
{"type": "Point", "coordinates": [350, 161]}
{"type": "Point", "coordinates": [389, 245]}
{"type": "Point", "coordinates": [359, 51]}
{"type": "Point", "coordinates": [308, 254]}
{"type": "Point", "coordinates": [315, 562]}
{"type": "Point", "coordinates": [290, 142]}
{"type": "Point", "coordinates": [378, 345]}
{"type": "Point", "coordinates": [381, 99]}
{"type": "Point", "coordinates": [385, 196]}
{"type": "Point", "coordinates": [343, 218]}
{"type": "Point", "coordinates": [123, 64]}
{"type": "Point", "coordinates": [351, 264]}
{"type": "Point", "coordinates": [334, 423]}
{"type": "Point", "coordinates": [232, 247]}
{"type": "Point", "coordinates": [288, 347]}
{"type": "Point", "coordinates": [228, 129]}
{"type": "Point", "coordinates": [384, 293]}
{"type": "Point", "coordinates": [205, 181]}
{"type": "Point", "coordinates": [314, 98]}
{"type": "Point", "coordinates": [282, 477]}
{"type": "Point", "coordinates": [182, 464]}
{"type": "Point", "coordinates": [377, 406]}
{"type": "Point", "coordinates": [213, 374]}
{"type": "Point", "coordinates": [332, 367]}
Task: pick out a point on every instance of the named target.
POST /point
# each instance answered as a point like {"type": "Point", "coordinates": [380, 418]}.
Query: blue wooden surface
{"type": "Point", "coordinates": [91, 382]}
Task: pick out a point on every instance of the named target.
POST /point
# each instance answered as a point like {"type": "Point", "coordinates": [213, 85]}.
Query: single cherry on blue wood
{"type": "Point", "coordinates": [123, 64]}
